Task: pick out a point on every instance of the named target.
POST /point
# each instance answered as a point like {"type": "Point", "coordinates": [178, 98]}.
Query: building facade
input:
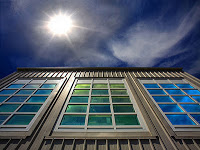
{"type": "Point", "coordinates": [100, 108]}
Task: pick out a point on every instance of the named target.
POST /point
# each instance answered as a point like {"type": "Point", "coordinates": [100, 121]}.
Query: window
{"type": "Point", "coordinates": [178, 101]}
{"type": "Point", "coordinates": [22, 101]}
{"type": "Point", "coordinates": [100, 104]}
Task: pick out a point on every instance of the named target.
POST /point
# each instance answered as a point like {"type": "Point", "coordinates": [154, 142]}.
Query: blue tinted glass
{"type": "Point", "coordinates": [197, 98]}
{"type": "Point", "coordinates": [76, 108]}
{"type": "Point", "coordinates": [196, 117]}
{"type": "Point", "coordinates": [15, 86]}
{"type": "Point", "coordinates": [73, 120]}
{"type": "Point", "coordinates": [170, 108]}
{"type": "Point", "coordinates": [45, 92]}
{"type": "Point", "coordinates": [30, 108]}
{"type": "Point", "coordinates": [7, 92]}
{"type": "Point", "coordinates": [184, 85]}
{"type": "Point", "coordinates": [157, 92]}
{"type": "Point", "coordinates": [8, 107]}
{"type": "Point", "coordinates": [175, 92]}
{"type": "Point", "coordinates": [151, 86]}
{"type": "Point", "coordinates": [2, 98]}
{"type": "Point", "coordinates": [17, 99]}
{"type": "Point", "coordinates": [180, 120]}
{"type": "Point", "coordinates": [183, 99]}
{"type": "Point", "coordinates": [191, 107]}
{"type": "Point", "coordinates": [25, 92]}
{"type": "Point", "coordinates": [100, 108]}
{"type": "Point", "coordinates": [39, 99]}
{"type": "Point", "coordinates": [167, 85]}
{"type": "Point", "coordinates": [163, 99]}
{"type": "Point", "coordinates": [99, 92]}
{"type": "Point", "coordinates": [3, 118]}
{"type": "Point", "coordinates": [48, 86]}
{"type": "Point", "coordinates": [34, 86]}
{"type": "Point", "coordinates": [20, 120]}
{"type": "Point", "coordinates": [192, 92]}
{"type": "Point", "coordinates": [79, 99]}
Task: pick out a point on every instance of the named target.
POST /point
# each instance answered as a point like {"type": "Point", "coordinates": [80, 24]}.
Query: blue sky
{"type": "Point", "coordinates": [120, 33]}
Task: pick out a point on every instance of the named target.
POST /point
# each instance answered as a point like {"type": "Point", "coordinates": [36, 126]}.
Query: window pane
{"type": "Point", "coordinates": [25, 92]}
{"type": "Point", "coordinates": [197, 98]}
{"type": "Point", "coordinates": [117, 86]}
{"type": "Point", "coordinates": [183, 99]}
{"type": "Point", "coordinates": [184, 86]}
{"type": "Point", "coordinates": [100, 86]}
{"type": "Point", "coordinates": [180, 120]}
{"type": "Point", "coordinates": [99, 92]}
{"type": "Point", "coordinates": [175, 92]}
{"type": "Point", "coordinates": [34, 86]}
{"type": "Point", "coordinates": [100, 120]}
{"type": "Point", "coordinates": [196, 117]}
{"type": "Point", "coordinates": [82, 86]}
{"type": "Point", "coordinates": [30, 108]}
{"type": "Point", "coordinates": [8, 107]}
{"type": "Point", "coordinates": [16, 86]}
{"type": "Point", "coordinates": [2, 98]}
{"type": "Point", "coordinates": [100, 108]}
{"type": "Point", "coordinates": [20, 120]}
{"type": "Point", "coordinates": [126, 120]}
{"type": "Point", "coordinates": [123, 108]}
{"type": "Point", "coordinates": [79, 99]}
{"type": "Point", "coordinates": [17, 99]}
{"type": "Point", "coordinates": [120, 99]}
{"type": "Point", "coordinates": [81, 92]}
{"type": "Point", "coordinates": [170, 108]}
{"type": "Point", "coordinates": [3, 118]}
{"type": "Point", "coordinates": [151, 86]}
{"type": "Point", "coordinates": [100, 99]}
{"type": "Point", "coordinates": [157, 92]}
{"type": "Point", "coordinates": [118, 92]}
{"type": "Point", "coordinates": [167, 85]}
{"type": "Point", "coordinates": [76, 108]}
{"type": "Point", "coordinates": [192, 92]}
{"type": "Point", "coordinates": [191, 107]}
{"type": "Point", "coordinates": [73, 120]}
{"type": "Point", "coordinates": [7, 92]}
{"type": "Point", "coordinates": [45, 92]}
{"type": "Point", "coordinates": [162, 99]}
{"type": "Point", "coordinates": [37, 99]}
{"type": "Point", "coordinates": [48, 86]}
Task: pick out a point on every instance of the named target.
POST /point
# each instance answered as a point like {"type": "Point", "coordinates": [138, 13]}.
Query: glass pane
{"type": "Point", "coordinates": [79, 99]}
{"type": "Point", "coordinates": [38, 99]}
{"type": "Point", "coordinates": [7, 92]}
{"type": "Point", "coordinates": [3, 118]}
{"type": "Point", "coordinates": [192, 92]}
{"type": "Point", "coordinates": [81, 92]}
{"type": "Point", "coordinates": [17, 99]}
{"type": "Point", "coordinates": [99, 92]}
{"type": "Point", "coordinates": [100, 120]}
{"type": "Point", "coordinates": [196, 117]}
{"type": "Point", "coordinates": [25, 92]}
{"type": "Point", "coordinates": [183, 99]}
{"type": "Point", "coordinates": [162, 99]}
{"type": "Point", "coordinates": [191, 107]}
{"type": "Point", "coordinates": [126, 120]}
{"type": "Point", "coordinates": [157, 92]}
{"type": "Point", "coordinates": [20, 120]}
{"type": "Point", "coordinates": [48, 86]}
{"type": "Point", "coordinates": [45, 92]}
{"type": "Point", "coordinates": [73, 120]}
{"type": "Point", "coordinates": [118, 92]}
{"type": "Point", "coordinates": [2, 98]}
{"type": "Point", "coordinates": [8, 107]}
{"type": "Point", "coordinates": [151, 86]}
{"type": "Point", "coordinates": [100, 108]}
{"type": "Point", "coordinates": [167, 85]}
{"type": "Point", "coordinates": [197, 98]}
{"type": "Point", "coordinates": [170, 108]}
{"type": "Point", "coordinates": [76, 108]}
{"type": "Point", "coordinates": [120, 99]}
{"type": "Point", "coordinates": [100, 99]}
{"type": "Point", "coordinates": [30, 108]}
{"type": "Point", "coordinates": [34, 86]}
{"type": "Point", "coordinates": [175, 92]}
{"type": "Point", "coordinates": [16, 86]}
{"type": "Point", "coordinates": [82, 86]}
{"type": "Point", "coordinates": [123, 108]}
{"type": "Point", "coordinates": [180, 120]}
{"type": "Point", "coordinates": [184, 86]}
{"type": "Point", "coordinates": [100, 86]}
{"type": "Point", "coordinates": [117, 86]}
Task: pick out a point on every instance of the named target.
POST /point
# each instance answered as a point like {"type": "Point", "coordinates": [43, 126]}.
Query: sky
{"type": "Point", "coordinates": [111, 33]}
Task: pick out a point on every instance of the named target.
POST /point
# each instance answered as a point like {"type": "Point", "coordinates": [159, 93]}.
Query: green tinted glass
{"type": "Point", "coordinates": [73, 120]}
{"type": "Point", "coordinates": [20, 120]}
{"type": "Point", "coordinates": [8, 107]}
{"type": "Point", "coordinates": [117, 86]}
{"type": "Point", "coordinates": [126, 120]}
{"type": "Point", "coordinates": [118, 92]}
{"type": "Point", "coordinates": [100, 108]}
{"type": "Point", "coordinates": [30, 108]}
{"type": "Point", "coordinates": [100, 99]}
{"type": "Point", "coordinates": [79, 99]}
{"type": "Point", "coordinates": [123, 108]}
{"type": "Point", "coordinates": [81, 92]}
{"type": "Point", "coordinates": [76, 108]}
{"type": "Point", "coordinates": [99, 92]}
{"type": "Point", "coordinates": [120, 99]}
{"type": "Point", "coordinates": [100, 120]}
{"type": "Point", "coordinates": [100, 86]}
{"type": "Point", "coordinates": [82, 86]}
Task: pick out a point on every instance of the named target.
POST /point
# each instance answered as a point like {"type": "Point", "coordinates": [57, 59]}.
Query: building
{"type": "Point", "coordinates": [100, 108]}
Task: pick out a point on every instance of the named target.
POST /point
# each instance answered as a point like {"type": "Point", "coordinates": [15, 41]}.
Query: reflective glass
{"type": "Point", "coordinates": [151, 86]}
{"type": "Point", "coordinates": [180, 119]}
{"type": "Point", "coordinates": [196, 117]}
{"type": "Point", "coordinates": [79, 99]}
{"type": "Point", "coordinates": [184, 86]}
{"type": "Point", "coordinates": [16, 86]}
{"type": "Point", "coordinates": [118, 92]}
{"type": "Point", "coordinates": [73, 120]}
{"type": "Point", "coordinates": [100, 99]}
{"type": "Point", "coordinates": [81, 92]}
{"type": "Point", "coordinates": [37, 99]}
{"type": "Point", "coordinates": [20, 120]}
{"type": "Point", "coordinates": [100, 108]}
{"type": "Point", "coordinates": [30, 108]}
{"type": "Point", "coordinates": [167, 85]}
{"type": "Point", "coordinates": [7, 92]}
{"type": "Point", "coordinates": [82, 86]}
{"type": "Point", "coordinates": [175, 92]}
{"type": "Point", "coordinates": [123, 108]}
{"type": "Point", "coordinates": [25, 92]}
{"type": "Point", "coordinates": [8, 107]}
{"type": "Point", "coordinates": [117, 85]}
{"type": "Point", "coordinates": [126, 120]}
{"type": "Point", "coordinates": [100, 86]}
{"type": "Point", "coordinates": [162, 99]}
{"type": "Point", "coordinates": [120, 99]}
{"type": "Point", "coordinates": [183, 99]}
{"type": "Point", "coordinates": [33, 86]}
{"type": "Point", "coordinates": [17, 99]}
{"type": "Point", "coordinates": [3, 118]}
{"type": "Point", "coordinates": [197, 98]}
{"type": "Point", "coordinates": [45, 92]}
{"type": "Point", "coordinates": [170, 108]}
{"type": "Point", "coordinates": [191, 107]}
{"type": "Point", "coordinates": [157, 92]}
{"type": "Point", "coordinates": [192, 92]}
{"type": "Point", "coordinates": [48, 86]}
{"type": "Point", "coordinates": [2, 98]}
{"type": "Point", "coordinates": [99, 92]}
{"type": "Point", "coordinates": [76, 108]}
{"type": "Point", "coordinates": [100, 120]}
